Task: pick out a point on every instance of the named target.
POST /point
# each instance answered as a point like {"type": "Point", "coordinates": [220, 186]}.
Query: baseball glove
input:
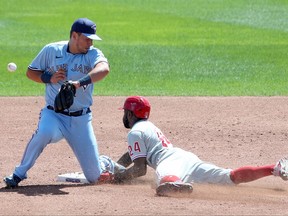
{"type": "Point", "coordinates": [65, 98]}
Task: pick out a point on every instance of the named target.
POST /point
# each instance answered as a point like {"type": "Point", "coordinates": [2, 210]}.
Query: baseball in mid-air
{"type": "Point", "coordinates": [11, 67]}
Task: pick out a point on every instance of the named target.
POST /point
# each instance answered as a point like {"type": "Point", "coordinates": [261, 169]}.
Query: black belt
{"type": "Point", "coordinates": [75, 114]}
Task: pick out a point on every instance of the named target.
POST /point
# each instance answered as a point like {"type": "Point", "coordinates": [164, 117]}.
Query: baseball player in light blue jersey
{"type": "Point", "coordinates": [78, 61]}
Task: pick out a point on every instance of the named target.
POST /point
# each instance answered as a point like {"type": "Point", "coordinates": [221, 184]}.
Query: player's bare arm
{"type": "Point", "coordinates": [99, 72]}
{"type": "Point", "coordinates": [138, 169]}
{"type": "Point", "coordinates": [37, 76]}
{"type": "Point", "coordinates": [125, 160]}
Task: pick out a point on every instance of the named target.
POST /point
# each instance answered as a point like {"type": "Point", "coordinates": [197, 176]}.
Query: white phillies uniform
{"type": "Point", "coordinates": [146, 140]}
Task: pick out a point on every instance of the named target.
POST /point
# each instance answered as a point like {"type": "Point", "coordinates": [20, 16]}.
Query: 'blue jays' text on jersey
{"type": "Point", "coordinates": [55, 56]}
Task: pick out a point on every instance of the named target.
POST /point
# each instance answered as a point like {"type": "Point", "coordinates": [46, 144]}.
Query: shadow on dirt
{"type": "Point", "coordinates": [40, 190]}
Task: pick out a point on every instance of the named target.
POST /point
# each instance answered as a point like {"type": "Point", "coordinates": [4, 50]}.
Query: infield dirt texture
{"type": "Point", "coordinates": [227, 131]}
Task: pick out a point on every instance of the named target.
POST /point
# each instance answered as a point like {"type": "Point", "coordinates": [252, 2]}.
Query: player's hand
{"type": "Point", "coordinates": [76, 84]}
{"type": "Point", "coordinates": [60, 75]}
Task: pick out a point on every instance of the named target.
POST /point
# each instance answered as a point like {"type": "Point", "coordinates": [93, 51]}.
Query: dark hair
{"type": "Point", "coordinates": [79, 33]}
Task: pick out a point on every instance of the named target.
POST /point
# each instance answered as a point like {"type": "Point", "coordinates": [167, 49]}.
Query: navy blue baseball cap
{"type": "Point", "coordinates": [86, 27]}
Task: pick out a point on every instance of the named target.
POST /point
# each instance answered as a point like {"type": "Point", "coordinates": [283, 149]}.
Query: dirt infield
{"type": "Point", "coordinates": [227, 131]}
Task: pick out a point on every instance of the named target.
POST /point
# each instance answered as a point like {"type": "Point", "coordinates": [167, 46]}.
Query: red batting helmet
{"type": "Point", "coordinates": [139, 105]}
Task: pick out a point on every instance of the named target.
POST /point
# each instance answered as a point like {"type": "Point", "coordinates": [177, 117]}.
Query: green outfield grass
{"type": "Point", "coordinates": [158, 47]}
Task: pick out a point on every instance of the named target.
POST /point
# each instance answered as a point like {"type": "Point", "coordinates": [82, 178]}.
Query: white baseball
{"type": "Point", "coordinates": [11, 67]}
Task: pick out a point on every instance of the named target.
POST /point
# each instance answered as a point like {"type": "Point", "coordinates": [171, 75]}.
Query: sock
{"type": "Point", "coordinates": [170, 178]}
{"type": "Point", "coordinates": [249, 173]}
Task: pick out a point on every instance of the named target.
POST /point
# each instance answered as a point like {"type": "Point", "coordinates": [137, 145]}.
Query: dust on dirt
{"type": "Point", "coordinates": [227, 131]}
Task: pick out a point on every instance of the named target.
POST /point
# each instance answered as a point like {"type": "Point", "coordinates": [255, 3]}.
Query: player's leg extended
{"type": "Point", "coordinates": [252, 173]}
{"type": "Point", "coordinates": [47, 132]}
{"type": "Point", "coordinates": [81, 138]}
{"type": "Point", "coordinates": [203, 172]}
{"type": "Point", "coordinates": [209, 173]}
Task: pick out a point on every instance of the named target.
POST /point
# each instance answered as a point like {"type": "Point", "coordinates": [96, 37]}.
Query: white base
{"type": "Point", "coordinates": [75, 177]}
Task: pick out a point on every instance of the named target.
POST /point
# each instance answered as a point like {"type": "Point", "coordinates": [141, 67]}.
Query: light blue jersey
{"type": "Point", "coordinates": [55, 56]}
{"type": "Point", "coordinates": [77, 130]}
{"type": "Point", "coordinates": [53, 63]}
